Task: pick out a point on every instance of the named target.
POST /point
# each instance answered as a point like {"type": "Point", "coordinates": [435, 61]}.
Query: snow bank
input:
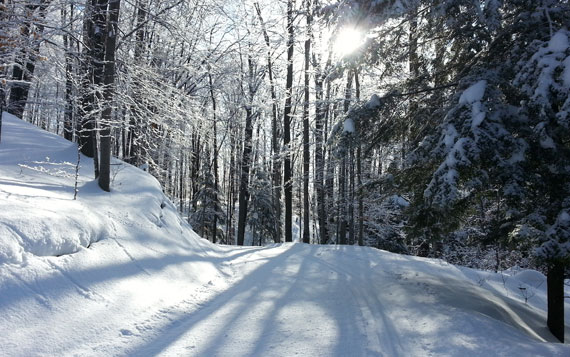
{"type": "Point", "coordinates": [37, 213]}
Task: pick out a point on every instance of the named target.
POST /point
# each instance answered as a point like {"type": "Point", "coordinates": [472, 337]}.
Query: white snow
{"type": "Point", "coordinates": [474, 93]}
{"type": "Point", "coordinates": [374, 102]}
{"type": "Point", "coordinates": [473, 96]}
{"type": "Point", "coordinates": [548, 61]}
{"type": "Point", "coordinates": [349, 125]}
{"type": "Point", "coordinates": [400, 201]}
{"type": "Point", "coordinates": [139, 282]}
{"type": "Point", "coordinates": [558, 42]}
{"type": "Point", "coordinates": [450, 135]}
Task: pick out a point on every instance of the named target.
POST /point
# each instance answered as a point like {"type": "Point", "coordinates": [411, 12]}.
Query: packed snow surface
{"type": "Point", "coordinates": [120, 274]}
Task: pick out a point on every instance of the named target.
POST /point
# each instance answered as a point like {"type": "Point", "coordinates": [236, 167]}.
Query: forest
{"type": "Point", "coordinates": [434, 128]}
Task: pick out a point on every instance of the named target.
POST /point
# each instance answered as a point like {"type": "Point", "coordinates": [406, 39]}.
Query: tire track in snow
{"type": "Point", "coordinates": [381, 341]}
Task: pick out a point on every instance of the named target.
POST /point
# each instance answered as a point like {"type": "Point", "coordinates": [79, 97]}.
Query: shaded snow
{"type": "Point", "coordinates": [147, 285]}
{"type": "Point", "coordinates": [474, 93]}
{"type": "Point", "coordinates": [558, 42]}
{"type": "Point", "coordinates": [450, 135]}
{"type": "Point", "coordinates": [349, 125]}
{"type": "Point", "coordinates": [473, 96]}
{"type": "Point", "coordinates": [374, 102]}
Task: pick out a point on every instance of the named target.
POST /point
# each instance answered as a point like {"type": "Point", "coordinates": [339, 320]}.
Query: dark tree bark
{"type": "Point", "coordinates": [215, 152]}
{"type": "Point", "coordinates": [320, 113]}
{"type": "Point", "coordinates": [137, 152]}
{"type": "Point", "coordinates": [93, 72]}
{"type": "Point", "coordinates": [306, 154]}
{"type": "Point", "coordinates": [68, 126]}
{"type": "Point", "coordinates": [111, 33]}
{"type": "Point", "coordinates": [276, 162]}
{"type": "Point", "coordinates": [343, 168]}
{"type": "Point", "coordinates": [23, 70]}
{"type": "Point", "coordinates": [195, 173]}
{"type": "Point", "coordinates": [232, 183]}
{"type": "Point", "coordinates": [329, 164]}
{"type": "Point", "coordinates": [359, 171]}
{"type": "Point", "coordinates": [246, 157]}
{"type": "Point", "coordinates": [555, 296]}
{"type": "Point", "coordinates": [287, 170]}
{"type": "Point", "coordinates": [413, 66]}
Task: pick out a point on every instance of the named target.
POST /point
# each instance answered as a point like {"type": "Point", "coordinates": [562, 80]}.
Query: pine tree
{"type": "Point", "coordinates": [263, 213]}
{"type": "Point", "coordinates": [208, 208]}
{"type": "Point", "coordinates": [500, 150]}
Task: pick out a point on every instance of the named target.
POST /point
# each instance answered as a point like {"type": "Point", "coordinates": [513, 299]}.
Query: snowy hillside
{"type": "Point", "coordinates": [113, 274]}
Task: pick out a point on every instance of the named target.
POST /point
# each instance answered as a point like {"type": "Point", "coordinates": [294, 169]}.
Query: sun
{"type": "Point", "coordinates": [347, 40]}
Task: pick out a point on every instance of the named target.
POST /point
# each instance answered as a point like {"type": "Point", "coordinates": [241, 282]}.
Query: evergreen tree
{"type": "Point", "coordinates": [501, 151]}
{"type": "Point", "coordinates": [263, 213]}
{"type": "Point", "coordinates": [208, 208]}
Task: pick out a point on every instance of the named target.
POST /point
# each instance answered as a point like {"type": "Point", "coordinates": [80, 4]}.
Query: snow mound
{"type": "Point", "coordinates": [52, 230]}
{"type": "Point", "coordinates": [531, 277]}
{"type": "Point", "coordinates": [38, 214]}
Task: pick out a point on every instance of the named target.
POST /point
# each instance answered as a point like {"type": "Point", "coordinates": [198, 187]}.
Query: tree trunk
{"type": "Point", "coordinates": [3, 54]}
{"type": "Point", "coordinates": [111, 33]}
{"type": "Point", "coordinates": [329, 164]}
{"type": "Point", "coordinates": [276, 162]}
{"type": "Point", "coordinates": [342, 172]}
{"type": "Point", "coordinates": [360, 193]}
{"type": "Point", "coordinates": [359, 170]}
{"type": "Point", "coordinates": [555, 286]}
{"type": "Point", "coordinates": [246, 159]}
{"type": "Point", "coordinates": [306, 155]}
{"type": "Point", "coordinates": [319, 159]}
{"type": "Point", "coordinates": [413, 66]}
{"type": "Point", "coordinates": [23, 71]}
{"type": "Point", "coordinates": [93, 68]}
{"type": "Point", "coordinates": [68, 127]}
{"type": "Point", "coordinates": [137, 152]}
{"type": "Point", "coordinates": [351, 228]}
{"type": "Point", "coordinates": [215, 154]}
{"type": "Point", "coordinates": [287, 170]}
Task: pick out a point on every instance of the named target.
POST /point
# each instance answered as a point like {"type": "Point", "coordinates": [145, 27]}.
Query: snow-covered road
{"type": "Point", "coordinates": [314, 301]}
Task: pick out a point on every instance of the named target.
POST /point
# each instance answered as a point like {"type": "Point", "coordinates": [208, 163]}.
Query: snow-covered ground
{"type": "Point", "coordinates": [119, 273]}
